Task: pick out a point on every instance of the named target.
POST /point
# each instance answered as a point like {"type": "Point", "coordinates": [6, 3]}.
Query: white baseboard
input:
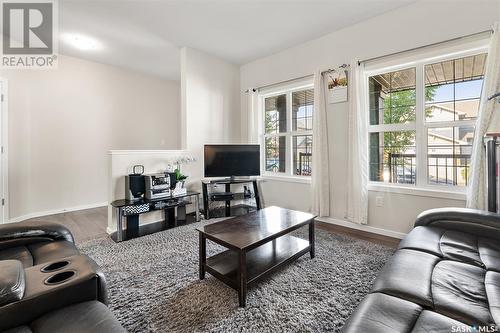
{"type": "Point", "coordinates": [363, 227]}
{"type": "Point", "coordinates": [56, 211]}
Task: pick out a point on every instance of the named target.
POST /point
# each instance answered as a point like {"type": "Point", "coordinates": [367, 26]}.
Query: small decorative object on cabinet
{"type": "Point", "coordinates": [180, 179]}
{"type": "Point", "coordinates": [180, 188]}
{"type": "Point", "coordinates": [134, 184]}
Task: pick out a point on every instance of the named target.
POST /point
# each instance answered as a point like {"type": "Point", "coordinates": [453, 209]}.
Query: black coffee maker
{"type": "Point", "coordinates": [134, 184]}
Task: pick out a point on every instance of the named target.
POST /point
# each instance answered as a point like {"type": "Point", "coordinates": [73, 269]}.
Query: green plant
{"type": "Point", "coordinates": [179, 176]}
{"type": "Point", "coordinates": [399, 109]}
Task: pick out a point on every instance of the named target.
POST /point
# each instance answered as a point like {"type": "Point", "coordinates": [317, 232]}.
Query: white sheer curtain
{"type": "Point", "coordinates": [357, 159]}
{"type": "Point", "coordinates": [320, 178]}
{"type": "Point", "coordinates": [476, 191]}
{"type": "Point", "coordinates": [252, 116]}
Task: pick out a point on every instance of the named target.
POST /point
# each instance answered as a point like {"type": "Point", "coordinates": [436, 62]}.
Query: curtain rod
{"type": "Point", "coordinates": [281, 82]}
{"type": "Point", "coordinates": [490, 31]}
{"type": "Point", "coordinates": [343, 66]}
{"type": "Point", "coordinates": [495, 96]}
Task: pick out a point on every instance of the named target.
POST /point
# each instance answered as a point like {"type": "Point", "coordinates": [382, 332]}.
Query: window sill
{"type": "Point", "coordinates": [418, 191]}
{"type": "Point", "coordinates": [288, 179]}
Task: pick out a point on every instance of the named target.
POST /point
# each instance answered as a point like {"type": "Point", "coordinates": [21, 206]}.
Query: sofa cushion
{"type": "Point", "coordinates": [12, 281]}
{"type": "Point", "coordinates": [88, 317]}
{"type": "Point", "coordinates": [459, 292]}
{"type": "Point", "coordinates": [459, 246]}
{"type": "Point", "coordinates": [50, 251]}
{"type": "Point", "coordinates": [20, 253]}
{"type": "Point", "coordinates": [401, 277]}
{"type": "Point", "coordinates": [455, 245]}
{"type": "Point", "coordinates": [39, 253]}
{"type": "Point", "coordinates": [429, 321]}
{"type": "Point", "coordinates": [20, 329]}
{"type": "Point", "coordinates": [380, 313]}
{"type": "Point", "coordinates": [425, 239]}
{"type": "Point", "coordinates": [489, 252]}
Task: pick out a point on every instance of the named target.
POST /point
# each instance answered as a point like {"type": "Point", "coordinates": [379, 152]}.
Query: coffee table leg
{"type": "Point", "coordinates": [311, 239]}
{"type": "Point", "coordinates": [203, 255]}
{"type": "Point", "coordinates": [242, 278]}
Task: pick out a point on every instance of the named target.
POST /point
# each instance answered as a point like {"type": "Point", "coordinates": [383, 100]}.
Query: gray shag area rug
{"type": "Point", "coordinates": [154, 286]}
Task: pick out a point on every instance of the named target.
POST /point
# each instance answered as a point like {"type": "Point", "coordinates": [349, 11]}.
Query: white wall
{"type": "Point", "coordinates": [63, 122]}
{"type": "Point", "coordinates": [210, 113]}
{"type": "Point", "coordinates": [419, 24]}
{"type": "Point", "coordinates": [210, 103]}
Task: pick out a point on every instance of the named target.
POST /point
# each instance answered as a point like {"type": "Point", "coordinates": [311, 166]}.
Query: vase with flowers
{"type": "Point", "coordinates": [180, 178]}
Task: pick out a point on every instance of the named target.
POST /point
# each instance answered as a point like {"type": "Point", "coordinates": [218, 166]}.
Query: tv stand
{"type": "Point", "coordinates": [227, 196]}
{"type": "Point", "coordinates": [236, 178]}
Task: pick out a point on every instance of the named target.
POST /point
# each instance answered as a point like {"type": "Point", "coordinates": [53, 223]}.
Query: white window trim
{"type": "Point", "coordinates": [422, 187]}
{"type": "Point", "coordinates": [287, 89]}
{"type": "Point", "coordinates": [416, 191]}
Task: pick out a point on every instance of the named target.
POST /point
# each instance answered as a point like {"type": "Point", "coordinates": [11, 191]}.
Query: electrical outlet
{"type": "Point", "coordinates": [379, 201]}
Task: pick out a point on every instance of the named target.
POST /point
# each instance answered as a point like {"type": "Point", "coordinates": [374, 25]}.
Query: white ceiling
{"type": "Point", "coordinates": [147, 35]}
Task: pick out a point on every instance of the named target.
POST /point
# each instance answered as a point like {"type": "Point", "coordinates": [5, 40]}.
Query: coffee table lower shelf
{"type": "Point", "coordinates": [259, 261]}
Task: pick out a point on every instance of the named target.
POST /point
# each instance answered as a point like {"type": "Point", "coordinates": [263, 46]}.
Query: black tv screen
{"type": "Point", "coordinates": [232, 160]}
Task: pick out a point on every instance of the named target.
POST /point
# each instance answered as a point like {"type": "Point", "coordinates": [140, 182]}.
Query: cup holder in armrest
{"type": "Point", "coordinates": [55, 266]}
{"type": "Point", "coordinates": [59, 277]}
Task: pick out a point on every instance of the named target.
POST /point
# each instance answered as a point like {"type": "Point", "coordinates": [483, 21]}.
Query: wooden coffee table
{"type": "Point", "coordinates": [258, 243]}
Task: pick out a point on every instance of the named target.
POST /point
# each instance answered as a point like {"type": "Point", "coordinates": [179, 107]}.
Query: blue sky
{"type": "Point", "coordinates": [463, 90]}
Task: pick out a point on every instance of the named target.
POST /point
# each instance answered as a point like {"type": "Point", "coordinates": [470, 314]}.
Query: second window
{"type": "Point", "coordinates": [287, 131]}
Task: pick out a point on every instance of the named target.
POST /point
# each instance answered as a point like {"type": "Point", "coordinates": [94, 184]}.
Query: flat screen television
{"type": "Point", "coordinates": [232, 160]}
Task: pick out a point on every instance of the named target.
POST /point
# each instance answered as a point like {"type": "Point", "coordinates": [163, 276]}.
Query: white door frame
{"type": "Point", "coordinates": [4, 152]}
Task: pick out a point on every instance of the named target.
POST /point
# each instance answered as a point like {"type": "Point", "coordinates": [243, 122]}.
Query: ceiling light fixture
{"type": "Point", "coordinates": [81, 42]}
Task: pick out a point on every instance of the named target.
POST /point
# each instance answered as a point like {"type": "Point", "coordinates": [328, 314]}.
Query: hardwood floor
{"type": "Point", "coordinates": [83, 224]}
{"type": "Point", "coordinates": [364, 235]}
{"type": "Point", "coordinates": [91, 223]}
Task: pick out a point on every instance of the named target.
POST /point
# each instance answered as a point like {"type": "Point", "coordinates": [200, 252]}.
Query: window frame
{"type": "Point", "coordinates": [287, 90]}
{"type": "Point", "coordinates": [420, 126]}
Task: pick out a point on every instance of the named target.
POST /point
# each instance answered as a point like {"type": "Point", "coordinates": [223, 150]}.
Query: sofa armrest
{"type": "Point", "coordinates": [102, 288]}
{"type": "Point", "coordinates": [34, 230]}
{"type": "Point", "coordinates": [474, 221]}
{"type": "Point", "coordinates": [12, 281]}
{"type": "Point", "coordinates": [87, 284]}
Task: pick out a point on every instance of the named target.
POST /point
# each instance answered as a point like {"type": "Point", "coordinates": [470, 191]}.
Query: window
{"type": "Point", "coordinates": [287, 131]}
{"type": "Point", "coordinates": [421, 121]}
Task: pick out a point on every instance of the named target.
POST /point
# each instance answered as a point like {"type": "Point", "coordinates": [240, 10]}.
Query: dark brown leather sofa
{"type": "Point", "coordinates": [46, 285]}
{"type": "Point", "coordinates": [444, 277]}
